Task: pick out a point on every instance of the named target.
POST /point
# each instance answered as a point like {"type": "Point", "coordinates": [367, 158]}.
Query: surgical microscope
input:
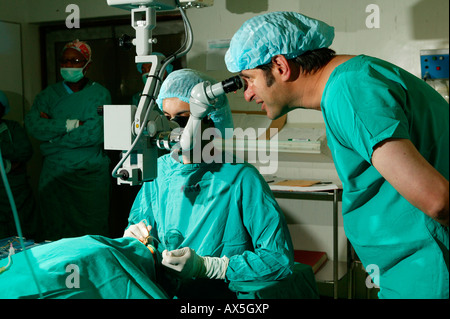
{"type": "Point", "coordinates": [139, 131]}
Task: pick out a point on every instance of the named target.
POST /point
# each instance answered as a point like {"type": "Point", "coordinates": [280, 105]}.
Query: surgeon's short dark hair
{"type": "Point", "coordinates": [309, 63]}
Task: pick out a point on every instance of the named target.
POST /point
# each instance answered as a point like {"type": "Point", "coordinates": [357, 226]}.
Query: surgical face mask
{"type": "Point", "coordinates": [181, 120]}
{"type": "Point", "coordinates": [72, 74]}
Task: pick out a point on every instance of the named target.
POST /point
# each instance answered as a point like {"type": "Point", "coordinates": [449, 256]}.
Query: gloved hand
{"type": "Point", "coordinates": [72, 124]}
{"type": "Point", "coordinates": [139, 231]}
{"type": "Point", "coordinates": [187, 264]}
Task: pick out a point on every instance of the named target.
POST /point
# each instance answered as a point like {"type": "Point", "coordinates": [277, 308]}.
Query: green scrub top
{"type": "Point", "coordinates": [218, 210]}
{"type": "Point", "coordinates": [74, 182]}
{"type": "Point", "coordinates": [366, 101]}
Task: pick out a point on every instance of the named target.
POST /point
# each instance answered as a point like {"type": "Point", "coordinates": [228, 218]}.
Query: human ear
{"type": "Point", "coordinates": [280, 65]}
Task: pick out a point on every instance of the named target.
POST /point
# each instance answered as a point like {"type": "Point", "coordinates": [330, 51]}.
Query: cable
{"type": "Point", "coordinates": [187, 39]}
{"type": "Point", "coordinates": [188, 30]}
{"type": "Point", "coordinates": [17, 221]}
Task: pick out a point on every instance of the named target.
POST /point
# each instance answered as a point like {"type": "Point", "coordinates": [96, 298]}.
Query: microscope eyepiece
{"type": "Point", "coordinates": [232, 84]}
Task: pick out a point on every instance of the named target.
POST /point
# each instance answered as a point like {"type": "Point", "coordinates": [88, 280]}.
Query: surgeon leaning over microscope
{"type": "Point", "coordinates": [389, 135]}
{"type": "Point", "coordinates": [215, 221]}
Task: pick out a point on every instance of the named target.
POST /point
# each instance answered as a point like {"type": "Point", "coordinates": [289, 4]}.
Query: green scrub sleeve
{"type": "Point", "coordinates": [272, 258]}
{"type": "Point", "coordinates": [41, 128]}
{"type": "Point", "coordinates": [88, 134]}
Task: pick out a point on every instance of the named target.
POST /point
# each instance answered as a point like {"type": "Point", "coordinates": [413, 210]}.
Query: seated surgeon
{"type": "Point", "coordinates": [216, 222]}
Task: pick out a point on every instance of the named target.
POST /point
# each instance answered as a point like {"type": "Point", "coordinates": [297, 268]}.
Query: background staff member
{"type": "Point", "coordinates": [74, 184]}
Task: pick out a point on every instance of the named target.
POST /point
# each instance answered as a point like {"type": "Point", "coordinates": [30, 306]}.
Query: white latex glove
{"type": "Point", "coordinates": [187, 264]}
{"type": "Point", "coordinates": [139, 231]}
{"type": "Point", "coordinates": [72, 124]}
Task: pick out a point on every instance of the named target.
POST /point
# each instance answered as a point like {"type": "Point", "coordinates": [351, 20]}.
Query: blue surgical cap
{"type": "Point", "coordinates": [4, 101]}
{"type": "Point", "coordinates": [288, 33]}
{"type": "Point", "coordinates": [180, 83]}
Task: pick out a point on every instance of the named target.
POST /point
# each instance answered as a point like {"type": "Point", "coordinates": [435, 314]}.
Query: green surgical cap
{"type": "Point", "coordinates": [180, 83]}
{"type": "Point", "coordinates": [288, 33]}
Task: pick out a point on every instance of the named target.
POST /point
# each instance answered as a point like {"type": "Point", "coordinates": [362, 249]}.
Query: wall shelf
{"type": "Point", "coordinates": [291, 138]}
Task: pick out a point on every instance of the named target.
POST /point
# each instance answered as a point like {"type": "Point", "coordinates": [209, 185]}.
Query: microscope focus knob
{"type": "Point", "coordinates": [125, 41]}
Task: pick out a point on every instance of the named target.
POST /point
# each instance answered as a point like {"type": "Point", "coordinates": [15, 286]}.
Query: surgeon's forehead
{"type": "Point", "coordinates": [175, 106]}
{"type": "Point", "coordinates": [248, 73]}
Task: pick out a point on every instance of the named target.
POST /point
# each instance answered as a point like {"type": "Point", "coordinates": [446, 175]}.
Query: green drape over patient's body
{"type": "Point", "coordinates": [83, 267]}
{"type": "Point", "coordinates": [74, 181]}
